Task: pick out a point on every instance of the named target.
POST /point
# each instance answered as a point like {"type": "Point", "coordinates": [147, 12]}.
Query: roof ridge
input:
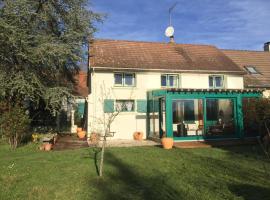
{"type": "Point", "coordinates": [153, 42]}
{"type": "Point", "coordinates": [244, 50]}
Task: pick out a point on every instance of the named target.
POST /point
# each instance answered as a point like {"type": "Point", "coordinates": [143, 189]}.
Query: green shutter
{"type": "Point", "coordinates": [81, 109]}
{"type": "Point", "coordinates": [141, 106]}
{"type": "Point", "coordinates": [108, 105]}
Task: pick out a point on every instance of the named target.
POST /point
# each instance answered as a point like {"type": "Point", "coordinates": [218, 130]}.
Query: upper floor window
{"type": "Point", "coordinates": [124, 79]}
{"type": "Point", "coordinates": [216, 81]}
{"type": "Point", "coordinates": [169, 80]}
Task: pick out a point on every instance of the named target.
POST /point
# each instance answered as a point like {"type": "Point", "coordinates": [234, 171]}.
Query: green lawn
{"type": "Point", "coordinates": [135, 173]}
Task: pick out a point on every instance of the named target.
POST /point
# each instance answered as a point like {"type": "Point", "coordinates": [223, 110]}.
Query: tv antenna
{"type": "Point", "coordinates": [170, 30]}
{"type": "Point", "coordinates": [170, 12]}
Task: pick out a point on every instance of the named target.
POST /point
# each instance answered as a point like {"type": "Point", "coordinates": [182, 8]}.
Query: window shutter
{"type": "Point", "coordinates": [108, 105]}
{"type": "Point", "coordinates": [141, 106]}
{"type": "Point", "coordinates": [81, 109]}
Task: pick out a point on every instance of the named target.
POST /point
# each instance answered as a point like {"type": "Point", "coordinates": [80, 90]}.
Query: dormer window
{"type": "Point", "coordinates": [251, 69]}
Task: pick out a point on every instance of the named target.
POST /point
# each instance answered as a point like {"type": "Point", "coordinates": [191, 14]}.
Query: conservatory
{"type": "Point", "coordinates": [198, 114]}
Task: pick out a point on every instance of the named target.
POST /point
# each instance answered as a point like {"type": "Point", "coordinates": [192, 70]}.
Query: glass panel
{"type": "Point", "coordinates": [163, 80]}
{"type": "Point", "coordinates": [211, 109]}
{"type": "Point", "coordinates": [129, 79]}
{"type": "Point", "coordinates": [151, 110]}
{"type": "Point", "coordinates": [189, 114]}
{"type": "Point", "coordinates": [220, 117]}
{"type": "Point", "coordinates": [118, 79]}
{"type": "Point", "coordinates": [187, 117]}
{"type": "Point", "coordinates": [218, 81]}
{"type": "Point", "coordinates": [252, 70]}
{"type": "Point", "coordinates": [155, 118]}
{"type": "Point", "coordinates": [211, 84]}
{"type": "Point", "coordinates": [172, 81]}
{"type": "Point", "coordinates": [162, 119]}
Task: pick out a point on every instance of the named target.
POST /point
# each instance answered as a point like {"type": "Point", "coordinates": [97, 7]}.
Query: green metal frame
{"type": "Point", "coordinates": [236, 96]}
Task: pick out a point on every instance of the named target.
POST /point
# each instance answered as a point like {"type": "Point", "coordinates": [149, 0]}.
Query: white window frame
{"type": "Point", "coordinates": [214, 81]}
{"type": "Point", "coordinates": [168, 80]}
{"type": "Point", "coordinates": [123, 79]}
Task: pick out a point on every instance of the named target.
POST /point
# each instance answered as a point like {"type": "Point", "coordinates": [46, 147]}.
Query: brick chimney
{"type": "Point", "coordinates": [267, 46]}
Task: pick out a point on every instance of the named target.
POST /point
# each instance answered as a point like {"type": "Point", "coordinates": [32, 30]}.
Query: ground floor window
{"type": "Point", "coordinates": [125, 105]}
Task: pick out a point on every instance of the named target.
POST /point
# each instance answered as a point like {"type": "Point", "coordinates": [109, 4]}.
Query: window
{"type": "Point", "coordinates": [125, 105]}
{"type": "Point", "coordinates": [183, 110]}
{"type": "Point", "coordinates": [124, 79]}
{"type": "Point", "coordinates": [169, 80]}
{"type": "Point", "coordinates": [216, 81]}
{"type": "Point", "coordinates": [251, 69]}
{"type": "Point", "coordinates": [212, 109]}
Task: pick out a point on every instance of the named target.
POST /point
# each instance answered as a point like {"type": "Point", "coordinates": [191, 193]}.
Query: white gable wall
{"type": "Point", "coordinates": [126, 123]}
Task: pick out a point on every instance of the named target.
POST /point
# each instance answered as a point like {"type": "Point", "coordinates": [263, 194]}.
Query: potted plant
{"type": "Point", "coordinates": [167, 142]}
{"type": "Point", "coordinates": [138, 136]}
{"type": "Point", "coordinates": [81, 134]}
{"type": "Point", "coordinates": [47, 146]}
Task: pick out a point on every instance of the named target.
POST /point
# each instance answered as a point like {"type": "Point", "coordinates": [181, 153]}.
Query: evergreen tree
{"type": "Point", "coordinates": [41, 45]}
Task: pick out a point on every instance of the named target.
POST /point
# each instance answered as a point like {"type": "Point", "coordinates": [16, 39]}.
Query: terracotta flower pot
{"type": "Point", "coordinates": [167, 143]}
{"type": "Point", "coordinates": [138, 136]}
{"type": "Point", "coordinates": [81, 134]}
{"type": "Point", "coordinates": [79, 129]}
{"type": "Point", "coordinates": [47, 146]}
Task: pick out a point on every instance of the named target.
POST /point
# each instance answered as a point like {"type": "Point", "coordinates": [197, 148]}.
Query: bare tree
{"type": "Point", "coordinates": [105, 120]}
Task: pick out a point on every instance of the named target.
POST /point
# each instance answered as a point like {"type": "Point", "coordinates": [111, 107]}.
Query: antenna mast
{"type": "Point", "coordinates": [170, 12]}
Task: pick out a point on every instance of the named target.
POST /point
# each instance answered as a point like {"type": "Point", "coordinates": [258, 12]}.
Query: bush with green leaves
{"type": "Point", "coordinates": [15, 125]}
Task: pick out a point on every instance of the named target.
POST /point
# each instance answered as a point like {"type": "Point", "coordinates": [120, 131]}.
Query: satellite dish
{"type": "Point", "coordinates": [169, 31]}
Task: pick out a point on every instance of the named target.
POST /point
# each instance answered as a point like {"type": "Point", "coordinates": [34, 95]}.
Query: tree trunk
{"type": "Point", "coordinates": [102, 156]}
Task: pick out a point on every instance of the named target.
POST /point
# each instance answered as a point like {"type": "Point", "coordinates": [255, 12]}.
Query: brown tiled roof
{"type": "Point", "coordinates": [259, 59]}
{"type": "Point", "coordinates": [119, 54]}
{"type": "Point", "coordinates": [80, 87]}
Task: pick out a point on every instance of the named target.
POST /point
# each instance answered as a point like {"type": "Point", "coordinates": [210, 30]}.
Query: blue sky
{"type": "Point", "coordinates": [229, 24]}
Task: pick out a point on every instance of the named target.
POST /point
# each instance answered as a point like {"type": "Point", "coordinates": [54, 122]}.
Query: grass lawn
{"type": "Point", "coordinates": [135, 173]}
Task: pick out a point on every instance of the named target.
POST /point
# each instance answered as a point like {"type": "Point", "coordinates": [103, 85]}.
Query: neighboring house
{"type": "Point", "coordinates": [256, 64]}
{"type": "Point", "coordinates": [188, 92]}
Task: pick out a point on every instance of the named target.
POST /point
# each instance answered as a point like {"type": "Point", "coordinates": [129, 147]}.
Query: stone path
{"type": "Point", "coordinates": [130, 143]}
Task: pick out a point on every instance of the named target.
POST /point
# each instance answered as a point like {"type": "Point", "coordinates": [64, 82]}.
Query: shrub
{"type": "Point", "coordinates": [15, 125]}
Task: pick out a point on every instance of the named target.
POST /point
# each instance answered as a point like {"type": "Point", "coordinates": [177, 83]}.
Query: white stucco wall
{"type": "Point", "coordinates": [234, 82]}
{"type": "Point", "coordinates": [127, 123]}
{"type": "Point", "coordinates": [266, 94]}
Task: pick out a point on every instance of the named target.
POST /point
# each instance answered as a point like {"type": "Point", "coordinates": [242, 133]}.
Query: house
{"type": "Point", "coordinates": [256, 64]}
{"type": "Point", "coordinates": [184, 91]}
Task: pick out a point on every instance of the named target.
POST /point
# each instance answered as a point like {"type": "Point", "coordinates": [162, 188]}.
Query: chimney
{"type": "Point", "coordinates": [267, 46]}
{"type": "Point", "coordinates": [172, 39]}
